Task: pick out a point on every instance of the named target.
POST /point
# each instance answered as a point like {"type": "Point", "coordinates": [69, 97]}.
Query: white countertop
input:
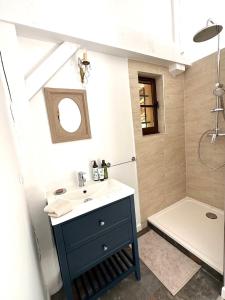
{"type": "Point", "coordinates": [102, 193]}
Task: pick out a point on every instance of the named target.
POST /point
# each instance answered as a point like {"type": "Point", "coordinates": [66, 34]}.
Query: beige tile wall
{"type": "Point", "coordinates": [160, 157]}
{"type": "Point", "coordinates": [202, 183]}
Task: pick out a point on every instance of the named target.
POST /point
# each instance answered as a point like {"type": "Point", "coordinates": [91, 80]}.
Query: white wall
{"type": "Point", "coordinates": [109, 111]}
{"type": "Point", "coordinates": [56, 165]}
{"type": "Point", "coordinates": [20, 272]}
{"type": "Point", "coordinates": [143, 26]}
{"type": "Point", "coordinates": [125, 22]}
{"type": "Point", "coordinates": [146, 26]}
{"type": "Point", "coordinates": [192, 17]}
{"type": "Point", "coordinates": [10, 51]}
{"type": "Point", "coordinates": [106, 20]}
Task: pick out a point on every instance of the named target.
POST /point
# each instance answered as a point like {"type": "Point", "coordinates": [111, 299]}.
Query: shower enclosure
{"type": "Point", "coordinates": [198, 226]}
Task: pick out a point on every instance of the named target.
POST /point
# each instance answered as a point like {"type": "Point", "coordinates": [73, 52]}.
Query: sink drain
{"type": "Point", "coordinates": [211, 215]}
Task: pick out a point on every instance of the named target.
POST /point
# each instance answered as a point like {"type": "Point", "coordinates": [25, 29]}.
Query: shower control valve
{"type": "Point", "coordinates": [219, 90]}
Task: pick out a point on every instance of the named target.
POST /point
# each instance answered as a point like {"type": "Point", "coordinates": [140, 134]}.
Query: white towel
{"type": "Point", "coordinates": [58, 208]}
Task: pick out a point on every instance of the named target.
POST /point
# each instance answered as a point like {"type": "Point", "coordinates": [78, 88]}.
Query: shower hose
{"type": "Point", "coordinates": [199, 152]}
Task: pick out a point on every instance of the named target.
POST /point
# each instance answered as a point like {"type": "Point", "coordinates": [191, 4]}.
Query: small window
{"type": "Point", "coordinates": [148, 105]}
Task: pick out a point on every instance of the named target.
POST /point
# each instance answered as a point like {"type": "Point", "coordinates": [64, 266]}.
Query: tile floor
{"type": "Point", "coordinates": [201, 287]}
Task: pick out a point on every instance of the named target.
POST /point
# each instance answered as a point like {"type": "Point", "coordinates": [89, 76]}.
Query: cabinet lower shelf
{"type": "Point", "coordinates": [103, 276]}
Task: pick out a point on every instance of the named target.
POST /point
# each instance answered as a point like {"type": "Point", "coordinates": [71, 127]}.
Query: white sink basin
{"type": "Point", "coordinates": [93, 195]}
{"type": "Point", "coordinates": [90, 191]}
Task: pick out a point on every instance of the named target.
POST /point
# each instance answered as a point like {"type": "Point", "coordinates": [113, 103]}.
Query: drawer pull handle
{"type": "Point", "coordinates": [102, 223]}
{"type": "Point", "coordinates": [105, 248]}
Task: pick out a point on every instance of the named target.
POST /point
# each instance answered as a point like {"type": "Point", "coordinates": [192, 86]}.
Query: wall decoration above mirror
{"type": "Point", "coordinates": [67, 114]}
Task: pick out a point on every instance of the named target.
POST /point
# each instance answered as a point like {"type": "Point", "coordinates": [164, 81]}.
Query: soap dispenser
{"type": "Point", "coordinates": [101, 172]}
{"type": "Point", "coordinates": [95, 174]}
{"type": "Point", "coordinates": [104, 166]}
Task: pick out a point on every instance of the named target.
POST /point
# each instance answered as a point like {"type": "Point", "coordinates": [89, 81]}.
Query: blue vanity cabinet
{"type": "Point", "coordinates": [97, 249]}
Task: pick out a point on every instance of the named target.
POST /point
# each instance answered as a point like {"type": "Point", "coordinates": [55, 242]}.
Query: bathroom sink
{"type": "Point", "coordinates": [90, 197]}
{"type": "Point", "coordinates": [89, 192]}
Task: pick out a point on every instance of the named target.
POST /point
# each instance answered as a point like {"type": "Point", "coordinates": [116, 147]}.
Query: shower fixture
{"type": "Point", "coordinates": [207, 32]}
{"type": "Point", "coordinates": [211, 30]}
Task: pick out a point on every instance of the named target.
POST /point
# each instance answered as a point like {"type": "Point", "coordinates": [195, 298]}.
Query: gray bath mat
{"type": "Point", "coordinates": [170, 265]}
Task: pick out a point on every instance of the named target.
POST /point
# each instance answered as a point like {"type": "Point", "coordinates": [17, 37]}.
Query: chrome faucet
{"type": "Point", "coordinates": [81, 179]}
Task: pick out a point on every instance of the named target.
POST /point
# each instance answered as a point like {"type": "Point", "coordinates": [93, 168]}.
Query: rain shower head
{"type": "Point", "coordinates": [207, 32]}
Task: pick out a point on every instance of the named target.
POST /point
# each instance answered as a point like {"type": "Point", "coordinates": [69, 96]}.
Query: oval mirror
{"type": "Point", "coordinates": [69, 115]}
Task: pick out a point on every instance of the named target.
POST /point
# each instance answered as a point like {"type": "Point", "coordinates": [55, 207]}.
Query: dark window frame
{"type": "Point", "coordinates": [155, 105]}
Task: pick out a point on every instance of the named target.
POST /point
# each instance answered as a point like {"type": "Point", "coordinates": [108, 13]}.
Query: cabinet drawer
{"type": "Point", "coordinates": [75, 232]}
{"type": "Point", "coordinates": [92, 252]}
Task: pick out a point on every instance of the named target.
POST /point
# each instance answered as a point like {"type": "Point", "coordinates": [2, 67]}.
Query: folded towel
{"type": "Point", "coordinates": [58, 208]}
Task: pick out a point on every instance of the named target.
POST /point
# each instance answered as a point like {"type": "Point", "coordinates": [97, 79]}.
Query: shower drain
{"type": "Point", "coordinates": [211, 215]}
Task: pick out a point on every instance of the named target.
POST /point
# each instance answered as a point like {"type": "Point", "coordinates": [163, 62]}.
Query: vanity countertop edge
{"type": "Point", "coordinates": [84, 208]}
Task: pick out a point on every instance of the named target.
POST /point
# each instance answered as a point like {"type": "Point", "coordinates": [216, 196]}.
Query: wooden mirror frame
{"type": "Point", "coordinates": [52, 98]}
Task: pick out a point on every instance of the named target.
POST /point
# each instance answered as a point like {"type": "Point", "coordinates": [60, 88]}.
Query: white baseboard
{"type": "Point", "coordinates": [139, 227]}
{"type": "Point", "coordinates": [223, 293]}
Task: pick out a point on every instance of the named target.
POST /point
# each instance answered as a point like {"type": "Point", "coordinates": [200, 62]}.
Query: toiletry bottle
{"type": "Point", "coordinates": [101, 173]}
{"type": "Point", "coordinates": [95, 174]}
{"type": "Point", "coordinates": [104, 166]}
